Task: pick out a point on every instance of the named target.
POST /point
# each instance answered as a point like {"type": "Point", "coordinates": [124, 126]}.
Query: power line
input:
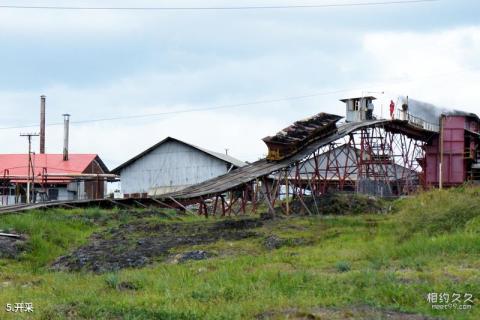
{"type": "Point", "coordinates": [332, 5]}
{"type": "Point", "coordinates": [228, 106]}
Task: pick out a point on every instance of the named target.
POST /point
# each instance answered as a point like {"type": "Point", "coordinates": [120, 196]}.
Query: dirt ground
{"type": "Point", "coordinates": [351, 313]}
{"type": "Point", "coordinates": [141, 242]}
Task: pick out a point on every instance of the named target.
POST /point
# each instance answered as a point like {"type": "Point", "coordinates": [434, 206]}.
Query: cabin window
{"type": "Point", "coordinates": [356, 105]}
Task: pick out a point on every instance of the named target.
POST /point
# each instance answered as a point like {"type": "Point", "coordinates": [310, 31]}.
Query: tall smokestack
{"type": "Point", "coordinates": [42, 124]}
{"type": "Point", "coordinates": [66, 123]}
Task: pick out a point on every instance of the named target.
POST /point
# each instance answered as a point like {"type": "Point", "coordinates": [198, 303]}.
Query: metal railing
{"type": "Point", "coordinates": [417, 121]}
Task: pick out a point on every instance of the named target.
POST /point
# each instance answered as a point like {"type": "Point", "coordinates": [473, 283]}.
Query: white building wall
{"type": "Point", "coordinates": [64, 195]}
{"type": "Point", "coordinates": [77, 190]}
{"type": "Point", "coordinates": [171, 166]}
{"type": "Point", "coordinates": [7, 200]}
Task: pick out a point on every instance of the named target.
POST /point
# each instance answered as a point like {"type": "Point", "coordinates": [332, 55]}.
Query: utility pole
{"type": "Point", "coordinates": [30, 163]}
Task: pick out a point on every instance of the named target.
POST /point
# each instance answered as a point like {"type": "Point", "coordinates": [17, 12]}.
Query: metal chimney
{"type": "Point", "coordinates": [42, 124]}
{"type": "Point", "coordinates": [66, 123]}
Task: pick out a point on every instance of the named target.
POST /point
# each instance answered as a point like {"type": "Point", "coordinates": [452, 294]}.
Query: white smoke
{"type": "Point", "coordinates": [426, 111]}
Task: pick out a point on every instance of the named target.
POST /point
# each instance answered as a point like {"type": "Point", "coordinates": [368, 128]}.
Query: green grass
{"type": "Point", "coordinates": [429, 243]}
{"type": "Point", "coordinates": [438, 211]}
{"type": "Point", "coordinates": [49, 233]}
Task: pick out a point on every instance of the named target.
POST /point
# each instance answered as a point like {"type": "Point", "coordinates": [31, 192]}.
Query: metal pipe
{"type": "Point", "coordinates": [42, 124]}
{"type": "Point", "coordinates": [61, 177]}
{"type": "Point", "coordinates": [66, 123]}
{"type": "Point", "coordinates": [93, 175]}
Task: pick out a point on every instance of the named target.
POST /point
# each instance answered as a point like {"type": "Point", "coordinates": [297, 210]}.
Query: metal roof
{"type": "Point", "coordinates": [17, 164]}
{"type": "Point", "coordinates": [459, 113]}
{"type": "Point", "coordinates": [221, 156]}
{"type": "Point", "coordinates": [224, 157]}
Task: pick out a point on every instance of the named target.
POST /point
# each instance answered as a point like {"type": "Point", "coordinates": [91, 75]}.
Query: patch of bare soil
{"type": "Point", "coordinates": [142, 242]}
{"type": "Point", "coordinates": [352, 313]}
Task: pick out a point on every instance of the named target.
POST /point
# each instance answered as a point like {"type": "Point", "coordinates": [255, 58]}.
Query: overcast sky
{"type": "Point", "coordinates": [104, 64]}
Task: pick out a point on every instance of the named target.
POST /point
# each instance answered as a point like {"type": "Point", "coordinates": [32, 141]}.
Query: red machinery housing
{"type": "Point", "coordinates": [454, 152]}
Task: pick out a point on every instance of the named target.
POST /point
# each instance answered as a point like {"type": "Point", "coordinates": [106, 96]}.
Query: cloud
{"type": "Point", "coordinates": [108, 65]}
{"type": "Point", "coordinates": [439, 67]}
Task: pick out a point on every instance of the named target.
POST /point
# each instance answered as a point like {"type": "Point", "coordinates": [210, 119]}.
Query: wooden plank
{"type": "Point", "coordinates": [163, 203]}
{"type": "Point", "coordinates": [119, 203]}
{"type": "Point", "coordinates": [140, 204]}
{"type": "Point", "coordinates": [181, 205]}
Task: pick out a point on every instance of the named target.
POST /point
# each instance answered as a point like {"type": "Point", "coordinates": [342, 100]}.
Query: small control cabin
{"type": "Point", "coordinates": [359, 109]}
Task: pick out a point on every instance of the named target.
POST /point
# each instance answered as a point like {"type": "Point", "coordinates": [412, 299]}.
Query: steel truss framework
{"type": "Point", "coordinates": [372, 160]}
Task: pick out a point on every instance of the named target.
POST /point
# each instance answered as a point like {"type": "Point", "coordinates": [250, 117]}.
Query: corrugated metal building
{"type": "Point", "coordinates": [171, 165]}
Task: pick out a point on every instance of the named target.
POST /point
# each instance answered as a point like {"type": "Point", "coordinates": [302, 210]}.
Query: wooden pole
{"type": "Point", "coordinates": [181, 205]}
{"type": "Point", "coordinates": [30, 165]}
{"type": "Point", "coordinates": [440, 165]}
{"type": "Point", "coordinates": [287, 192]}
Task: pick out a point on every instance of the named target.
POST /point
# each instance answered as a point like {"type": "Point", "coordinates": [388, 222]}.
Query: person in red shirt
{"type": "Point", "coordinates": [392, 109]}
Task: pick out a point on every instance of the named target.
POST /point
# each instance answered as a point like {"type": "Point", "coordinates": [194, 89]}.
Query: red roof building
{"type": "Point", "coordinates": [17, 164]}
{"type": "Point", "coordinates": [54, 177]}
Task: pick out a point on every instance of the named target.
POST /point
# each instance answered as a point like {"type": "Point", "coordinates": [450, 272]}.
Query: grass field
{"type": "Point", "coordinates": [362, 266]}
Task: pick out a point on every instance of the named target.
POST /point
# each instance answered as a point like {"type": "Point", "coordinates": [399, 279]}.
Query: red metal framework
{"type": "Point", "coordinates": [373, 160]}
